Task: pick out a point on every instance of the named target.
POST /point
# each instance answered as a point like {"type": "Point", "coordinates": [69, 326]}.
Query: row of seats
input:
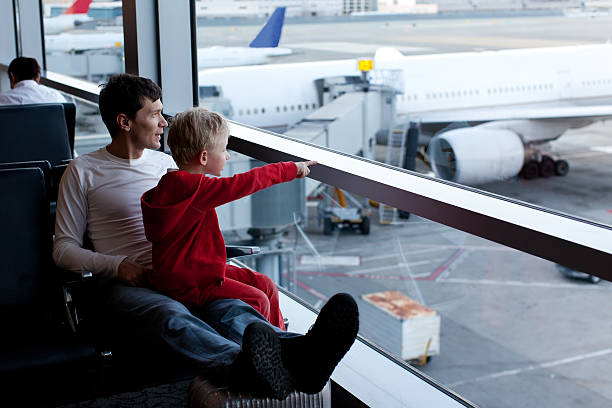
{"type": "Point", "coordinates": [42, 361]}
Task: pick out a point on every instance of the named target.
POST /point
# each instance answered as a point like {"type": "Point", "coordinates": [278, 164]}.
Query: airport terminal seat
{"type": "Point", "coordinates": [52, 176]}
{"type": "Point", "coordinates": [37, 132]}
{"type": "Point", "coordinates": [37, 352]}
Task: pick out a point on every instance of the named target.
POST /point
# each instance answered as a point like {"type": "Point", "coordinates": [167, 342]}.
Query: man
{"type": "Point", "coordinates": [99, 194]}
{"type": "Point", "coordinates": [24, 74]}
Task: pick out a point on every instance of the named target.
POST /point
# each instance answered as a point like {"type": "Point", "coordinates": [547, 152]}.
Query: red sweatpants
{"type": "Point", "coordinates": [251, 287]}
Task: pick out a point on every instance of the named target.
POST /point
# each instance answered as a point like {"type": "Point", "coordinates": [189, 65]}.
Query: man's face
{"type": "Point", "coordinates": [217, 156]}
{"type": "Point", "coordinates": [148, 125]}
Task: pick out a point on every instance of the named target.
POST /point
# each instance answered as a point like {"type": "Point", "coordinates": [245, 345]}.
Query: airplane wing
{"type": "Point", "coordinates": [511, 112]}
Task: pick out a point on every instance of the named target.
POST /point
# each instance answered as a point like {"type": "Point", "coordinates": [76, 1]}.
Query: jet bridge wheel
{"type": "Point", "coordinates": [546, 167]}
{"type": "Point", "coordinates": [328, 226]}
{"type": "Point", "coordinates": [561, 167]}
{"type": "Point", "coordinates": [365, 226]}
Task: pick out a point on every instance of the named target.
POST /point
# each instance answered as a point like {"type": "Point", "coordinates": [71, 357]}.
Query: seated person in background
{"type": "Point", "coordinates": [189, 262]}
{"type": "Point", "coordinates": [24, 74]}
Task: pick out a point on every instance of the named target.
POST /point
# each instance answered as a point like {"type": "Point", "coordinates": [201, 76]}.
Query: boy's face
{"type": "Point", "coordinates": [217, 156]}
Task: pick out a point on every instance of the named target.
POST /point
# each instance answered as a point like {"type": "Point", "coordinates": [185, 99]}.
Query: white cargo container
{"type": "Point", "coordinates": [413, 330]}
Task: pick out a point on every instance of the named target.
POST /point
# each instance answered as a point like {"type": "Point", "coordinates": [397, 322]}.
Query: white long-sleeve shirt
{"type": "Point", "coordinates": [30, 91]}
{"type": "Point", "coordinates": [100, 194]}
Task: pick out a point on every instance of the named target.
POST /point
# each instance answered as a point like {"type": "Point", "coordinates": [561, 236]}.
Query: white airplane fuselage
{"type": "Point", "coordinates": [64, 22]}
{"type": "Point", "coordinates": [69, 42]}
{"type": "Point", "coordinates": [527, 94]}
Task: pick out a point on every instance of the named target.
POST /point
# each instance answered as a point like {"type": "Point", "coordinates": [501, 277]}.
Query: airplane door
{"type": "Point", "coordinates": [564, 85]}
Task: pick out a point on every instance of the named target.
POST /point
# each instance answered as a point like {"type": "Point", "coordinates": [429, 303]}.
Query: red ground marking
{"type": "Point", "coordinates": [312, 291]}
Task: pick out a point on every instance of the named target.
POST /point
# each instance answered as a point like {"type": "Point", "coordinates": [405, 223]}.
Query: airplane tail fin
{"type": "Point", "coordinates": [269, 36]}
{"type": "Point", "coordinates": [78, 7]}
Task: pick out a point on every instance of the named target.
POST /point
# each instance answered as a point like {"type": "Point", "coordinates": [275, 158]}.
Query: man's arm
{"type": "Point", "coordinates": [70, 226]}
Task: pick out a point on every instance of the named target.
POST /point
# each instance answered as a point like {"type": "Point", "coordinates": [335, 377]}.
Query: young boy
{"type": "Point", "coordinates": [189, 262]}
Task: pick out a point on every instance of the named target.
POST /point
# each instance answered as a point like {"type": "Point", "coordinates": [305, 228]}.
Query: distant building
{"type": "Point", "coordinates": [358, 6]}
{"type": "Point", "coordinates": [264, 8]}
{"type": "Point", "coordinates": [406, 6]}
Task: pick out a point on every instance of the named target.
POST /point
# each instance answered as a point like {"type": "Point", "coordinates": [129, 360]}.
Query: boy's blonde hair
{"type": "Point", "coordinates": [194, 130]}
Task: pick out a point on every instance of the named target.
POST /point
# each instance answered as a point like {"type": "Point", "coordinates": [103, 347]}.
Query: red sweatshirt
{"type": "Point", "coordinates": [180, 220]}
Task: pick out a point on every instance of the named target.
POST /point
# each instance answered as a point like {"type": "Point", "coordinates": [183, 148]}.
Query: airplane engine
{"type": "Point", "coordinates": [474, 155]}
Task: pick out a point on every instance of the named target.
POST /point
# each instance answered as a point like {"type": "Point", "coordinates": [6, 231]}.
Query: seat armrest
{"type": "Point", "coordinates": [233, 251]}
{"type": "Point", "coordinates": [72, 282]}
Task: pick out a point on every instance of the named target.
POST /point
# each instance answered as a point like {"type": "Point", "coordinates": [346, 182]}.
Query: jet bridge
{"type": "Point", "coordinates": [354, 111]}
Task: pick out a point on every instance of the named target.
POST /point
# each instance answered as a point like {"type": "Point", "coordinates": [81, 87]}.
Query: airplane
{"type": "Point", "coordinates": [73, 17]}
{"type": "Point", "coordinates": [264, 45]}
{"type": "Point", "coordinates": [490, 113]}
{"type": "Point", "coordinates": [70, 42]}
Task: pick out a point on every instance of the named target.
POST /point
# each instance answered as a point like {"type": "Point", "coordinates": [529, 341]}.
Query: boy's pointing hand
{"type": "Point", "coordinates": [302, 168]}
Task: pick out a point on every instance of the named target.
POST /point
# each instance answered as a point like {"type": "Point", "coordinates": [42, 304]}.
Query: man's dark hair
{"type": "Point", "coordinates": [23, 68]}
{"type": "Point", "coordinates": [125, 93]}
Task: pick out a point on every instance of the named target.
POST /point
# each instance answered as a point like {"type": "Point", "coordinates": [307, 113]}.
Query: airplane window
{"type": "Point", "coordinates": [255, 111]}
{"type": "Point", "coordinates": [263, 110]}
{"type": "Point", "coordinates": [284, 108]}
{"type": "Point", "coordinates": [292, 107]}
{"type": "Point", "coordinates": [314, 106]}
{"type": "Point", "coordinates": [240, 112]}
{"type": "Point", "coordinates": [248, 111]}
{"type": "Point", "coordinates": [278, 108]}
{"type": "Point", "coordinates": [299, 107]}
{"type": "Point", "coordinates": [477, 92]}
{"type": "Point", "coordinates": [415, 97]}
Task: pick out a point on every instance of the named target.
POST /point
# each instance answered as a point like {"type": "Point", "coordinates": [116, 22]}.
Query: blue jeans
{"type": "Point", "coordinates": [211, 339]}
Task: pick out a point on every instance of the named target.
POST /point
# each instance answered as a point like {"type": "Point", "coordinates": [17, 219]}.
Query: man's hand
{"type": "Point", "coordinates": [131, 273]}
{"type": "Point", "coordinates": [303, 169]}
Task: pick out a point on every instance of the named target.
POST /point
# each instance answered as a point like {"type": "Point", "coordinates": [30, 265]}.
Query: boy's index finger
{"type": "Point", "coordinates": [311, 163]}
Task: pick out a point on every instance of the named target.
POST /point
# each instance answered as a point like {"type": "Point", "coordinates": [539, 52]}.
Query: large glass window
{"type": "Point", "coordinates": [508, 98]}
{"type": "Point", "coordinates": [474, 315]}
{"type": "Point", "coordinates": [84, 40]}
{"type": "Point", "coordinates": [523, 122]}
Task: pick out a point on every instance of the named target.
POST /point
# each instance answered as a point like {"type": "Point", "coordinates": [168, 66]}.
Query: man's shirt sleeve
{"type": "Point", "coordinates": [70, 227]}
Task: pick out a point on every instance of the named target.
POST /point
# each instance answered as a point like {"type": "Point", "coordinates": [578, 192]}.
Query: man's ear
{"type": "Point", "coordinates": [203, 157]}
{"type": "Point", "coordinates": [12, 80]}
{"type": "Point", "coordinates": [123, 122]}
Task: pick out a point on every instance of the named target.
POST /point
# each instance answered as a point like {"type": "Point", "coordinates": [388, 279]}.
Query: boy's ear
{"type": "Point", "coordinates": [203, 157]}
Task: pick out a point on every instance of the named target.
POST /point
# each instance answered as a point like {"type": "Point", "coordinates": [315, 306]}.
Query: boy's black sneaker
{"type": "Point", "coordinates": [311, 358]}
{"type": "Point", "coordinates": [259, 369]}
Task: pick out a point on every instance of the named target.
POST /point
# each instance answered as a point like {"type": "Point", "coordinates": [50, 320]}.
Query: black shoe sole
{"type": "Point", "coordinates": [262, 347]}
{"type": "Point", "coordinates": [312, 358]}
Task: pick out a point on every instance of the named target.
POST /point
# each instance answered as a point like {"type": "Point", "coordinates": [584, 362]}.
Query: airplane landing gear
{"type": "Point", "coordinates": [530, 170]}
{"type": "Point", "coordinates": [546, 167]}
{"type": "Point", "coordinates": [561, 167]}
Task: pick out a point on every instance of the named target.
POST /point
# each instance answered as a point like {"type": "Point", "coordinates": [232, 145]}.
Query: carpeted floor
{"type": "Point", "coordinates": [163, 396]}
